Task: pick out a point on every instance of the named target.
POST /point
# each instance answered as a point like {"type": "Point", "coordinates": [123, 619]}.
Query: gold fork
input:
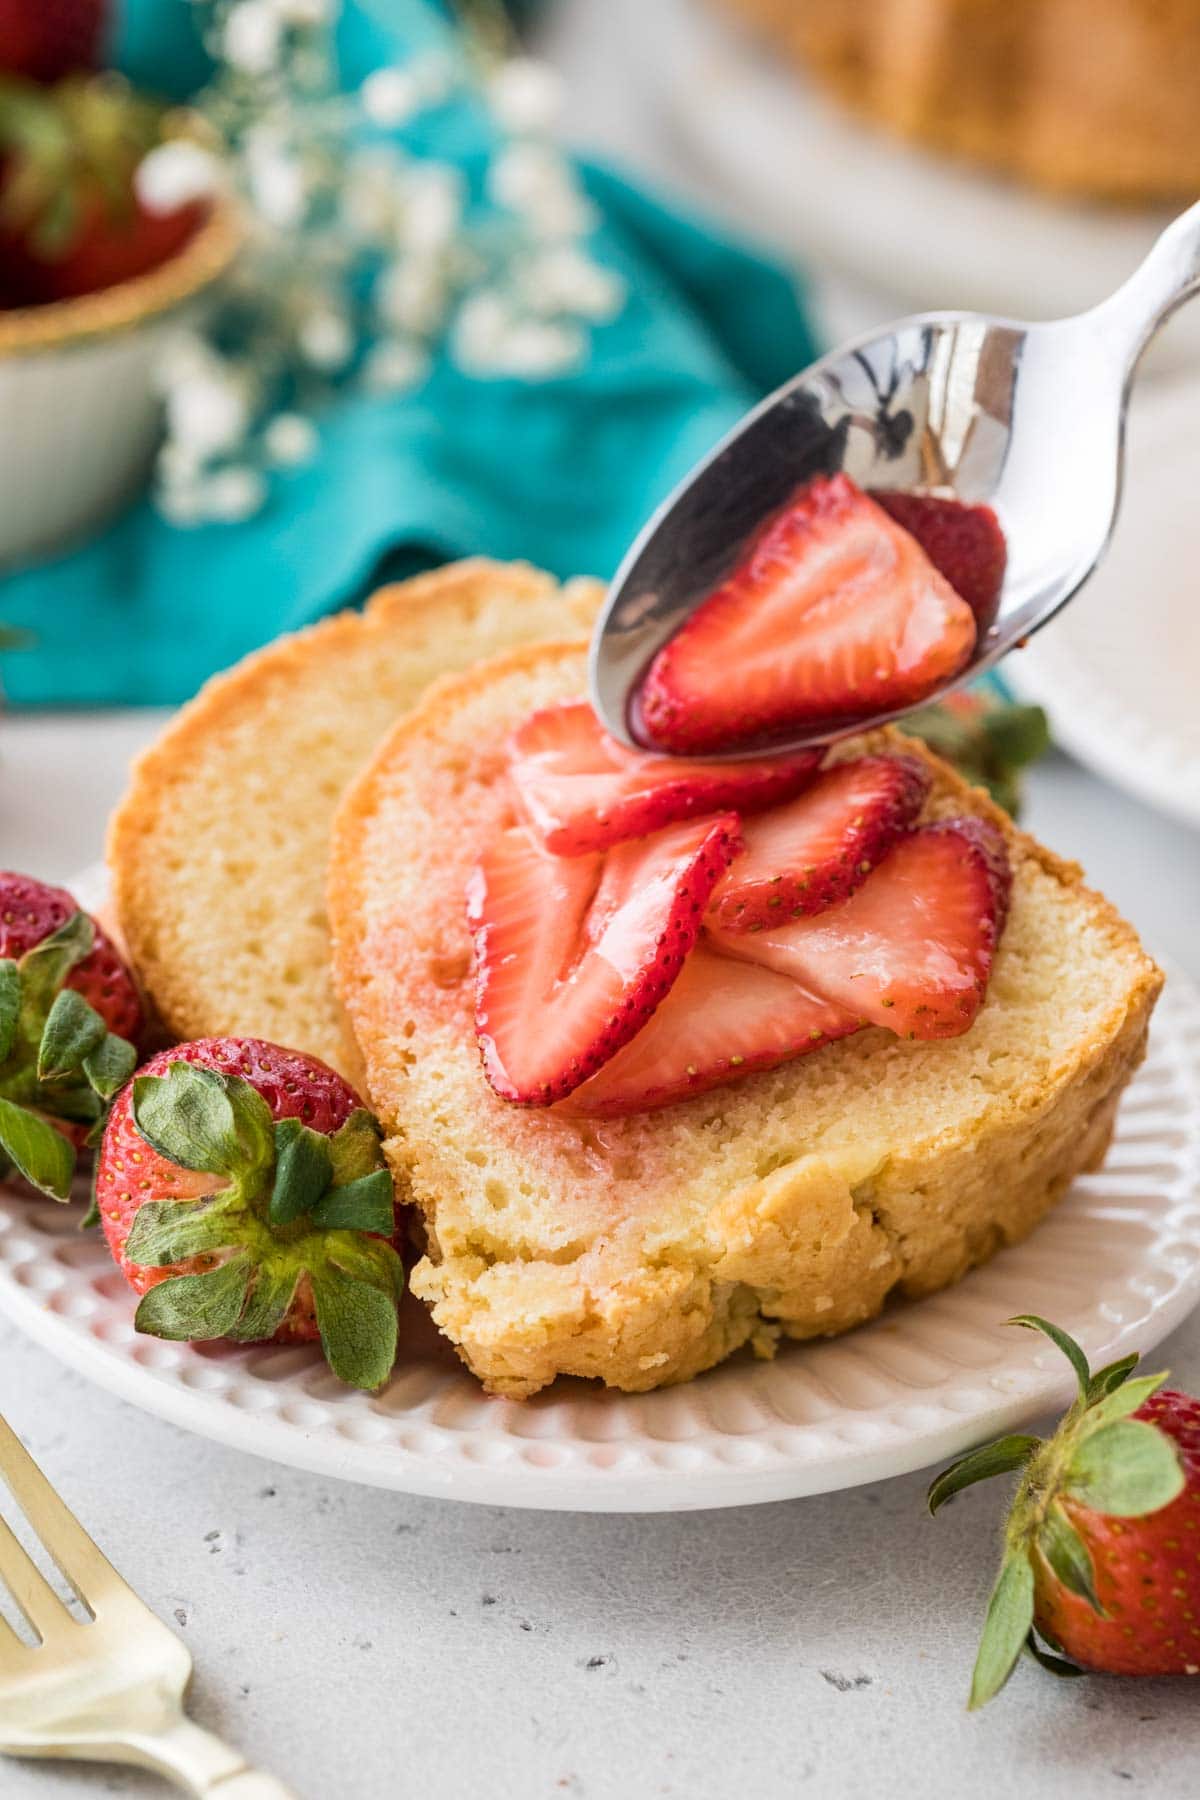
{"type": "Point", "coordinates": [110, 1689]}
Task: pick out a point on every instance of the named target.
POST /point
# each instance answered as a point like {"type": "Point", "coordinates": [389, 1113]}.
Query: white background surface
{"type": "Point", "coordinates": [364, 1646]}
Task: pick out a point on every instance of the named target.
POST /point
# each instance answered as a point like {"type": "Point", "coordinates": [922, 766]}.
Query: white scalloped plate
{"type": "Point", "coordinates": [1117, 1263]}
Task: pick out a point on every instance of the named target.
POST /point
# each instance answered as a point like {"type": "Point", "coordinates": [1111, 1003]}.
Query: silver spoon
{"type": "Point", "coordinates": [1029, 419]}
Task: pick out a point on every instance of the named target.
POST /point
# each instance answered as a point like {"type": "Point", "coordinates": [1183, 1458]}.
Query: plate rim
{"type": "Point", "coordinates": [1031, 1391]}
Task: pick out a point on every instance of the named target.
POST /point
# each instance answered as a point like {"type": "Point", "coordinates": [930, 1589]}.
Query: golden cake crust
{"type": "Point", "coordinates": [1096, 97]}
{"type": "Point", "coordinates": [218, 850]}
{"type": "Point", "coordinates": [642, 1250]}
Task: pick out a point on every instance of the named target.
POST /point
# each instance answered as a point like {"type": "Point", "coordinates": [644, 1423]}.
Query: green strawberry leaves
{"type": "Point", "coordinates": [1065, 1343]}
{"type": "Point", "coordinates": [73, 1030]}
{"type": "Point", "coordinates": [1005, 1631]}
{"type": "Point", "coordinates": [1001, 1458]}
{"type": "Point", "coordinates": [303, 1170]}
{"type": "Point", "coordinates": [367, 1204]}
{"type": "Point", "coordinates": [42, 1155]}
{"type": "Point", "coordinates": [58, 1060]}
{"type": "Point", "coordinates": [204, 1120]}
{"type": "Point", "coordinates": [197, 1307]}
{"type": "Point", "coordinates": [1125, 1469]}
{"type": "Point", "coordinates": [10, 1005]}
{"type": "Point", "coordinates": [357, 1322]}
{"type": "Point", "coordinates": [1068, 1555]}
{"type": "Point", "coordinates": [296, 1205]}
{"type": "Point", "coordinates": [165, 1232]}
{"type": "Point", "coordinates": [1100, 1458]}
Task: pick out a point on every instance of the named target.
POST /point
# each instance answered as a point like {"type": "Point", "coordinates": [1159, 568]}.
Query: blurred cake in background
{"type": "Point", "coordinates": [1089, 97]}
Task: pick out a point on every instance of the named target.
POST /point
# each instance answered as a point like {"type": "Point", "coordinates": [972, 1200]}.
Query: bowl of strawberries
{"type": "Point", "coordinates": [93, 276]}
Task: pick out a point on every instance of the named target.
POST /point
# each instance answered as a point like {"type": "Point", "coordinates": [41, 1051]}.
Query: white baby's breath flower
{"type": "Point", "coordinates": [370, 200]}
{"type": "Point", "coordinates": [390, 97]}
{"type": "Point", "coordinates": [290, 440]}
{"type": "Point", "coordinates": [483, 321]}
{"type": "Point", "coordinates": [492, 337]}
{"type": "Point", "coordinates": [411, 296]}
{"type": "Point", "coordinates": [326, 340]}
{"type": "Point", "coordinates": [539, 347]}
{"type": "Point", "coordinates": [183, 354]}
{"type": "Point", "coordinates": [436, 76]}
{"type": "Point", "coordinates": [304, 13]}
{"type": "Point", "coordinates": [276, 180]}
{"type": "Point", "coordinates": [525, 95]}
{"type": "Point", "coordinates": [231, 495]}
{"type": "Point", "coordinates": [207, 413]}
{"type": "Point", "coordinates": [394, 367]}
{"type": "Point", "coordinates": [181, 503]}
{"type": "Point", "coordinates": [563, 278]}
{"type": "Point", "coordinates": [176, 173]}
{"type": "Point", "coordinates": [253, 36]}
{"type": "Point", "coordinates": [536, 182]}
{"type": "Point", "coordinates": [432, 207]}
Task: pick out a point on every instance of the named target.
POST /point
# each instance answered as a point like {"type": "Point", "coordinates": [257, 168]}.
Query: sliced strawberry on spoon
{"type": "Point", "coordinates": [964, 542]}
{"type": "Point", "coordinates": [816, 850]}
{"type": "Point", "coordinates": [581, 790]}
{"type": "Point", "coordinates": [836, 613]}
{"type": "Point", "coordinates": [911, 950]}
{"type": "Point", "coordinates": [721, 1019]}
{"type": "Point", "coordinates": [573, 954]}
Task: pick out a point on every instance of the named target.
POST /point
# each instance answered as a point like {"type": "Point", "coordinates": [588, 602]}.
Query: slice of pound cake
{"type": "Point", "coordinates": [218, 850]}
{"type": "Point", "coordinates": [636, 1224]}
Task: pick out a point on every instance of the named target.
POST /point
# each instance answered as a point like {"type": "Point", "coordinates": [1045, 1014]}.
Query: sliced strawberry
{"type": "Point", "coordinates": [721, 1019]}
{"type": "Point", "coordinates": [835, 613]}
{"type": "Point", "coordinates": [813, 852]}
{"type": "Point", "coordinates": [964, 542]}
{"type": "Point", "coordinates": [581, 790]}
{"type": "Point", "coordinates": [913, 948]}
{"type": "Point", "coordinates": [574, 953]}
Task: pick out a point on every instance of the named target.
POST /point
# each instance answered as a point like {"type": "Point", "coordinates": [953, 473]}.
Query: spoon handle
{"type": "Point", "coordinates": [1168, 277]}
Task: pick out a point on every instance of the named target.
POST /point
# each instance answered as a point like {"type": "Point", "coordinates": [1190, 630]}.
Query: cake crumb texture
{"type": "Point", "coordinates": [218, 850]}
{"type": "Point", "coordinates": [794, 1202]}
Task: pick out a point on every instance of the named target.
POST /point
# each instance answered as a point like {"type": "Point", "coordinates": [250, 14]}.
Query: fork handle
{"type": "Point", "coordinates": [202, 1764]}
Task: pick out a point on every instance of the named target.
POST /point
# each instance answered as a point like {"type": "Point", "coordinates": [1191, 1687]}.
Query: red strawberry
{"type": "Point", "coordinates": [44, 39]}
{"type": "Point", "coordinates": [964, 542]}
{"type": "Point", "coordinates": [573, 954]}
{"type": "Point", "coordinates": [71, 222]}
{"type": "Point", "coordinates": [107, 249]}
{"type": "Point", "coordinates": [243, 1193]}
{"type": "Point", "coordinates": [68, 1007]}
{"type": "Point", "coordinates": [835, 613]}
{"type": "Point", "coordinates": [813, 852]}
{"type": "Point", "coordinates": [31, 911]}
{"type": "Point", "coordinates": [581, 790]}
{"type": "Point", "coordinates": [1100, 1551]}
{"type": "Point", "coordinates": [913, 948]}
{"type": "Point", "coordinates": [721, 1019]}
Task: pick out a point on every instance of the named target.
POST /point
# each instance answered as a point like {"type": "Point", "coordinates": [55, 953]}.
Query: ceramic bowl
{"type": "Point", "coordinates": [79, 411]}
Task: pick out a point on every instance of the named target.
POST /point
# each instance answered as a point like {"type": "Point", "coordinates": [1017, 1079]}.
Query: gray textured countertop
{"type": "Point", "coordinates": [364, 1645]}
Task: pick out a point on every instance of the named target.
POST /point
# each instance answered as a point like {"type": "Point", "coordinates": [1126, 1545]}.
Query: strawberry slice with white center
{"type": "Point", "coordinates": [573, 954]}
{"type": "Point", "coordinates": [722, 1019]}
{"type": "Point", "coordinates": [834, 614]}
{"type": "Point", "coordinates": [581, 790]}
{"type": "Point", "coordinates": [911, 950]}
{"type": "Point", "coordinates": [815, 851]}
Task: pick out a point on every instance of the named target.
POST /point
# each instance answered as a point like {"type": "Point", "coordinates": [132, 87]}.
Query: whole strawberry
{"type": "Point", "coordinates": [71, 220]}
{"type": "Point", "coordinates": [45, 39]}
{"type": "Point", "coordinates": [68, 1010]}
{"type": "Point", "coordinates": [242, 1191]}
{"type": "Point", "coordinates": [1100, 1549]}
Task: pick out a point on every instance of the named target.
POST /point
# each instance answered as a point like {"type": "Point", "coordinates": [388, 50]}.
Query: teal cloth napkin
{"type": "Point", "coordinates": [561, 472]}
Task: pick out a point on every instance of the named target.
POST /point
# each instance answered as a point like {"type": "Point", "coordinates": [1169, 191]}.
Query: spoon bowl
{"type": "Point", "coordinates": [1026, 418]}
